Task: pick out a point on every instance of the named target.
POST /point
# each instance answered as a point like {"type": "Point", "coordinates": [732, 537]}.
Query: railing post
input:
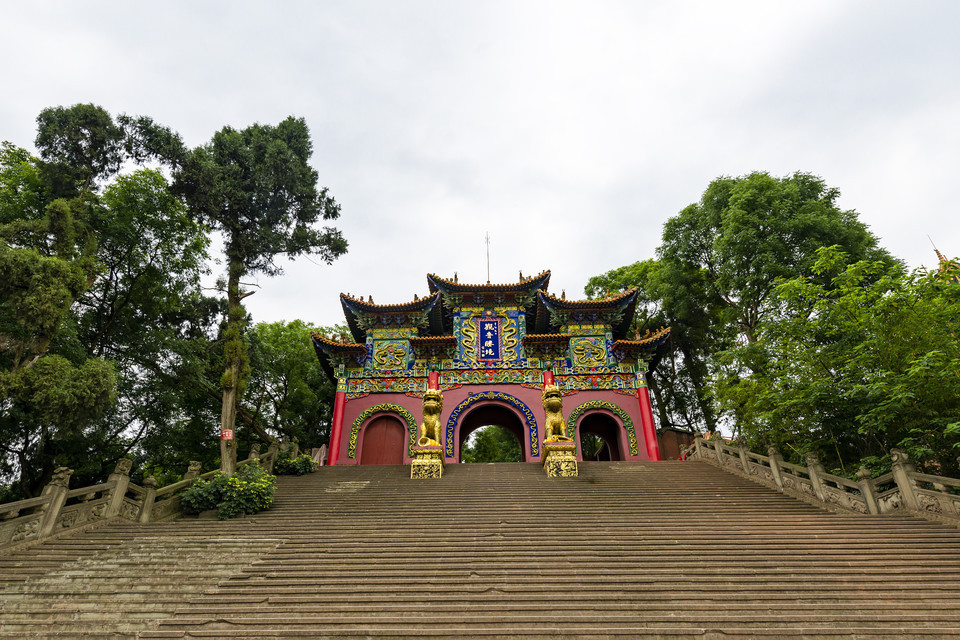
{"type": "Point", "coordinates": [295, 447]}
{"type": "Point", "coordinates": [271, 457]}
{"type": "Point", "coordinates": [120, 476]}
{"type": "Point", "coordinates": [718, 446]}
{"type": "Point", "coordinates": [775, 460]}
{"type": "Point", "coordinates": [815, 470]}
{"type": "Point", "coordinates": [193, 470]}
{"type": "Point", "coordinates": [697, 443]}
{"type": "Point", "coordinates": [56, 491]}
{"type": "Point", "coordinates": [743, 459]}
{"type": "Point", "coordinates": [255, 451]}
{"type": "Point", "coordinates": [869, 491]}
{"type": "Point", "coordinates": [149, 497]}
{"type": "Point", "coordinates": [902, 470]}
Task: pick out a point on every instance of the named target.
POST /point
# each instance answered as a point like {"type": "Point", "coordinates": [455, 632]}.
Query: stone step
{"type": "Point", "coordinates": [672, 550]}
{"type": "Point", "coordinates": [588, 632]}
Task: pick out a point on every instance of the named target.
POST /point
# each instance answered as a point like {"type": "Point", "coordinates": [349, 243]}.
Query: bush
{"type": "Point", "coordinates": [249, 490]}
{"type": "Point", "coordinates": [286, 466]}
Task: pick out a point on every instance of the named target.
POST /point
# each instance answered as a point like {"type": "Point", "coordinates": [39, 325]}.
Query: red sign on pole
{"type": "Point", "coordinates": [226, 434]}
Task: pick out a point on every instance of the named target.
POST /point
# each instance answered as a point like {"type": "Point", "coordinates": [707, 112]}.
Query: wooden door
{"type": "Point", "coordinates": [383, 442]}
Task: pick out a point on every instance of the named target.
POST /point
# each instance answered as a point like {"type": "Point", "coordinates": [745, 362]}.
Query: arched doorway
{"type": "Point", "coordinates": [487, 415]}
{"type": "Point", "coordinates": [599, 437]}
{"type": "Point", "coordinates": [384, 440]}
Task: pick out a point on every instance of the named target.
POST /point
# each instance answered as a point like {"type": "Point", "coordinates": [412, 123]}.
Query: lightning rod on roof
{"type": "Point", "coordinates": [488, 256]}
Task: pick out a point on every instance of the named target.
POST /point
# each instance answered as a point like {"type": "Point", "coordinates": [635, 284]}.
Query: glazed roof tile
{"type": "Point", "coordinates": [545, 338]}
{"type": "Point", "coordinates": [532, 283]}
{"type": "Point", "coordinates": [649, 338]}
{"type": "Point", "coordinates": [335, 346]}
{"type": "Point", "coordinates": [601, 303]}
{"type": "Point", "coordinates": [428, 340]}
{"type": "Point", "coordinates": [367, 306]}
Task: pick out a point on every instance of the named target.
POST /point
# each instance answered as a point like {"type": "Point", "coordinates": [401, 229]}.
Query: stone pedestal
{"type": "Point", "coordinates": [560, 459]}
{"type": "Point", "coordinates": [427, 462]}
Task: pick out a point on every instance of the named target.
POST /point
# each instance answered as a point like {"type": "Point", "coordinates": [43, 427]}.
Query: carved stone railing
{"type": "Point", "coordinates": [904, 489]}
{"type": "Point", "coordinates": [58, 508]}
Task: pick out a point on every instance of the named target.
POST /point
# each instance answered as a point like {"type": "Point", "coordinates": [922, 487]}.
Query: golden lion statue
{"type": "Point", "coordinates": [430, 428]}
{"type": "Point", "coordinates": [556, 428]}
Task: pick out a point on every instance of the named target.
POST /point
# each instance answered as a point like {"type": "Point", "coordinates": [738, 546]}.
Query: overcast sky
{"type": "Point", "coordinates": [570, 131]}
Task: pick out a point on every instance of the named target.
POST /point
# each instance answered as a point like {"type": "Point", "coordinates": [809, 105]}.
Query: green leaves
{"type": "Point", "coordinates": [250, 490]}
{"type": "Point", "coordinates": [862, 358]}
{"type": "Point", "coordinates": [491, 444]}
{"type": "Point", "coordinates": [288, 391]}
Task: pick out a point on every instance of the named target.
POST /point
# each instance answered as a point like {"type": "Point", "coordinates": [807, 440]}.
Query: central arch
{"type": "Point", "coordinates": [490, 415]}
{"type": "Point", "coordinates": [529, 435]}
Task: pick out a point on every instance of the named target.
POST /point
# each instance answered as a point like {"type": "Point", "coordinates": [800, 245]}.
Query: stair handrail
{"type": "Point", "coordinates": [59, 508]}
{"type": "Point", "coordinates": [903, 489]}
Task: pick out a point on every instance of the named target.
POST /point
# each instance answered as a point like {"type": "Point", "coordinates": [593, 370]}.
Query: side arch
{"type": "Point", "coordinates": [386, 407]}
{"type": "Point", "coordinates": [577, 413]}
{"type": "Point", "coordinates": [534, 441]}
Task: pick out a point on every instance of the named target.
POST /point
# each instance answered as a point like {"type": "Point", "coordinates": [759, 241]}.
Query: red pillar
{"type": "Point", "coordinates": [336, 427]}
{"type": "Point", "coordinates": [646, 418]}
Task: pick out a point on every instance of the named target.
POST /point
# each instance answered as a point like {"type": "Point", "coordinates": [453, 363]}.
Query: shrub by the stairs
{"type": "Point", "coordinates": [249, 490]}
{"type": "Point", "coordinates": [302, 464]}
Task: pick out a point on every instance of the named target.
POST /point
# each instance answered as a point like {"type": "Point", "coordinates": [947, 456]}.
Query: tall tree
{"type": "Point", "coordinates": [288, 391]}
{"type": "Point", "coordinates": [103, 298]}
{"type": "Point", "coordinates": [679, 299]}
{"type": "Point", "coordinates": [256, 187]}
{"type": "Point", "coordinates": [47, 261]}
{"type": "Point", "coordinates": [859, 358]}
{"type": "Point", "coordinates": [717, 268]}
{"type": "Point", "coordinates": [747, 232]}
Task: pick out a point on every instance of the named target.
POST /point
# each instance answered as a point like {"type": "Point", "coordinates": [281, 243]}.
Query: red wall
{"type": "Point", "coordinates": [531, 397]}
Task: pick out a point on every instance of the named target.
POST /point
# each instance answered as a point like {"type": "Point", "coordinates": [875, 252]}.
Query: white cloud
{"type": "Point", "coordinates": [569, 130]}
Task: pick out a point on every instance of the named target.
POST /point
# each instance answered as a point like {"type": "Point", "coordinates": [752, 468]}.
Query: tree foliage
{"type": "Point", "coordinates": [492, 443]}
{"type": "Point", "coordinates": [859, 358]}
{"type": "Point", "coordinates": [256, 187]}
{"type": "Point", "coordinates": [714, 279]}
{"type": "Point", "coordinates": [288, 392]}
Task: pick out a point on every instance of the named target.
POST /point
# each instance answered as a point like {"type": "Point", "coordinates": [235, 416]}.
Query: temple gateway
{"type": "Point", "coordinates": [490, 349]}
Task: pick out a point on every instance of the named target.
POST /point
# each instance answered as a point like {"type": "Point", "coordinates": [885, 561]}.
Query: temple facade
{"type": "Point", "coordinates": [489, 349]}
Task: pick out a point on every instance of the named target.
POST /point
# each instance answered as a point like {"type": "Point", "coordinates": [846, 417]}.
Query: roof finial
{"type": "Point", "coordinates": [415, 298]}
{"type": "Point", "coordinates": [521, 276]}
{"type": "Point", "coordinates": [563, 294]}
{"type": "Point", "coordinates": [370, 299]}
{"type": "Point", "coordinates": [455, 276]}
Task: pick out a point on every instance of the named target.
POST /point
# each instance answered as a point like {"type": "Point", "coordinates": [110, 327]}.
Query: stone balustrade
{"type": "Point", "coordinates": [59, 508]}
{"type": "Point", "coordinates": [904, 489]}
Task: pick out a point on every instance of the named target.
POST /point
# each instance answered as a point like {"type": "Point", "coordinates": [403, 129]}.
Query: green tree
{"type": "Point", "coordinates": [858, 359]}
{"type": "Point", "coordinates": [492, 443]}
{"type": "Point", "coordinates": [670, 296]}
{"type": "Point", "coordinates": [143, 312]}
{"type": "Point", "coordinates": [748, 232]}
{"type": "Point", "coordinates": [256, 188]}
{"type": "Point", "coordinates": [718, 265]}
{"type": "Point", "coordinates": [47, 261]}
{"type": "Point", "coordinates": [104, 278]}
{"type": "Point", "coordinates": [288, 391]}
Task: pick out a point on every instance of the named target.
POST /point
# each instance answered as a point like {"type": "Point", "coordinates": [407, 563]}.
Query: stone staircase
{"type": "Point", "coordinates": [626, 550]}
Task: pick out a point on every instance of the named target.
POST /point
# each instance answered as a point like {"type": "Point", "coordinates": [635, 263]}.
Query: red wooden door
{"type": "Point", "coordinates": [383, 442]}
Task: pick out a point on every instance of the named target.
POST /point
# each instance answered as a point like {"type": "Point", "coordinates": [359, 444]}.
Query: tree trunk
{"type": "Point", "coordinates": [235, 356]}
